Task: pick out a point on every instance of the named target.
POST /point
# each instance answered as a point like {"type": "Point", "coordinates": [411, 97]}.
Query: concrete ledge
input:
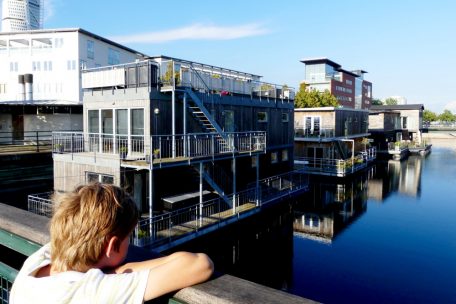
{"type": "Point", "coordinates": [227, 289]}
{"type": "Point", "coordinates": [24, 224]}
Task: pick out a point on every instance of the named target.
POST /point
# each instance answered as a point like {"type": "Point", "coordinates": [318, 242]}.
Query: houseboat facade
{"type": "Point", "coordinates": [409, 129]}
{"type": "Point", "coordinates": [179, 134]}
{"type": "Point", "coordinates": [332, 141]}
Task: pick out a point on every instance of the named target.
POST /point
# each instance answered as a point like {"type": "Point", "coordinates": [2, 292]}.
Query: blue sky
{"type": "Point", "coordinates": [408, 47]}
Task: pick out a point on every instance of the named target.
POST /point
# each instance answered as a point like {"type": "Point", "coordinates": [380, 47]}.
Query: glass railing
{"type": "Point", "coordinates": [201, 77]}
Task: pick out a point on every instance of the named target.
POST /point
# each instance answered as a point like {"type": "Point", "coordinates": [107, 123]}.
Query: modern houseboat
{"type": "Point", "coordinates": [332, 141]}
{"type": "Point", "coordinates": [386, 134]}
{"type": "Point", "coordinates": [180, 134]}
{"type": "Point", "coordinates": [409, 130]}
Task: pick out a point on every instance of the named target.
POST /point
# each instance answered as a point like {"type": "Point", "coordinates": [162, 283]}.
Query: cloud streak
{"type": "Point", "coordinates": [196, 32]}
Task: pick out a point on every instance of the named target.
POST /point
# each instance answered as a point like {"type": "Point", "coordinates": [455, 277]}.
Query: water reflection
{"type": "Point", "coordinates": [396, 176]}
{"type": "Point", "coordinates": [330, 207]}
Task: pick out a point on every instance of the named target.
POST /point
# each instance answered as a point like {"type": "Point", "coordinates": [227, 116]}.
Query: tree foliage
{"type": "Point", "coordinates": [314, 99]}
{"type": "Point", "coordinates": [391, 101]}
{"type": "Point", "coordinates": [376, 102]}
{"type": "Point", "coordinates": [447, 116]}
{"type": "Point", "coordinates": [429, 116]}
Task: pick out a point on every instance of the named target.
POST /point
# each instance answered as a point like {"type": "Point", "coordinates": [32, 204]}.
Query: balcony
{"type": "Point", "coordinates": [337, 167]}
{"type": "Point", "coordinates": [161, 149]}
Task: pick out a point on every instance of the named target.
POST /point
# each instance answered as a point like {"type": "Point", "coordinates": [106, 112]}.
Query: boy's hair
{"type": "Point", "coordinates": [83, 222]}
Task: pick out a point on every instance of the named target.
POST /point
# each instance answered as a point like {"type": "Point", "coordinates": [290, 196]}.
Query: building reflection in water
{"type": "Point", "coordinates": [329, 208]}
{"type": "Point", "coordinates": [403, 177]}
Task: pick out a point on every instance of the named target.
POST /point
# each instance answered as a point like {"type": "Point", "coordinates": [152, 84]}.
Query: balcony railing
{"type": "Point", "coordinates": [325, 132]}
{"type": "Point", "coordinates": [161, 147]}
{"type": "Point", "coordinates": [40, 204]}
{"type": "Point", "coordinates": [167, 227]}
{"type": "Point", "coordinates": [337, 167]}
{"type": "Point", "coordinates": [396, 147]}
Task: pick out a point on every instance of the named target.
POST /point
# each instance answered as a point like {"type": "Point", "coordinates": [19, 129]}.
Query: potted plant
{"type": "Point", "coordinates": [58, 148]}
{"type": "Point", "coordinates": [123, 151]}
{"type": "Point", "coordinates": [157, 153]}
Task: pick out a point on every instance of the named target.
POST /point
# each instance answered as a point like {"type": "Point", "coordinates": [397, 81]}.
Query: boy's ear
{"type": "Point", "coordinates": [112, 246]}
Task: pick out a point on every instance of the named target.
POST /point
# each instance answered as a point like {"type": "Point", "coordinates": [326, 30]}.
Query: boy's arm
{"type": "Point", "coordinates": [173, 272]}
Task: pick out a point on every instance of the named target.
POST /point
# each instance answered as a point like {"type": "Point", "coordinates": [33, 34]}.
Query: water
{"type": "Point", "coordinates": [402, 248]}
{"type": "Point", "coordinates": [384, 236]}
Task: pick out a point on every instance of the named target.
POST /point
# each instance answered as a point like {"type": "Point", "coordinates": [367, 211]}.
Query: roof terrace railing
{"type": "Point", "coordinates": [200, 77]}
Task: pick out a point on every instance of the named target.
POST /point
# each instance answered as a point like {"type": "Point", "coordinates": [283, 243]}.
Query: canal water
{"type": "Point", "coordinates": [385, 235]}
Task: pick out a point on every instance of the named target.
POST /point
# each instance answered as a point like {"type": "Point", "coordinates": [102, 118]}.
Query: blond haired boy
{"type": "Point", "coordinates": [90, 233]}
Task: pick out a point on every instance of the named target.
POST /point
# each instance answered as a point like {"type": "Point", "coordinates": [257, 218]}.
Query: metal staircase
{"type": "Point", "coordinates": [210, 179]}
{"type": "Point", "coordinates": [201, 114]}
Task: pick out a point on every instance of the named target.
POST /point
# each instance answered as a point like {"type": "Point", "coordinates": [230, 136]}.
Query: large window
{"type": "Point", "coordinates": [113, 56]}
{"type": "Point", "coordinates": [90, 49]}
{"type": "Point", "coordinates": [312, 125]}
{"type": "Point", "coordinates": [93, 121]}
{"type": "Point", "coordinates": [106, 121]}
{"type": "Point", "coordinates": [137, 121]}
{"type": "Point", "coordinates": [122, 122]}
{"type": "Point", "coordinates": [228, 120]}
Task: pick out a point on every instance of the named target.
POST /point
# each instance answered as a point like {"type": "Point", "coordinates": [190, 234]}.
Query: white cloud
{"type": "Point", "coordinates": [196, 32]}
{"type": "Point", "coordinates": [450, 106]}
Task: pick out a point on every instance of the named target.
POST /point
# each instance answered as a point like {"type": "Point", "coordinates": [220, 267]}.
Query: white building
{"type": "Point", "coordinates": [41, 68]}
{"type": "Point", "coordinates": [22, 15]}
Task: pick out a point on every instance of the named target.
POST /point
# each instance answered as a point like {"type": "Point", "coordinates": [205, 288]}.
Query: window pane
{"type": "Point", "coordinates": [122, 122]}
{"type": "Point", "coordinates": [107, 179]}
{"type": "Point", "coordinates": [93, 121]}
{"type": "Point", "coordinates": [92, 177]}
{"type": "Point", "coordinates": [137, 121]}
{"type": "Point", "coordinates": [106, 116]}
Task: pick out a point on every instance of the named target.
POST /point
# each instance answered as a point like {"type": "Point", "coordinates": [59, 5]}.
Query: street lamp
{"type": "Point", "coordinates": [156, 112]}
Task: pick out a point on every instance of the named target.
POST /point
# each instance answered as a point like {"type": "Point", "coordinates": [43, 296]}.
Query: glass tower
{"type": "Point", "coordinates": [22, 15]}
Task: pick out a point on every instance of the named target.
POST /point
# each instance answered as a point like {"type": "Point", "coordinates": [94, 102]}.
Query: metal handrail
{"type": "Point", "coordinates": [160, 146]}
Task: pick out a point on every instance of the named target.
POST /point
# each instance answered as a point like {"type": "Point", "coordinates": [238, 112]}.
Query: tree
{"type": "Point", "coordinates": [314, 99]}
{"type": "Point", "coordinates": [391, 101]}
{"type": "Point", "coordinates": [447, 116]}
{"type": "Point", "coordinates": [376, 102]}
{"type": "Point", "coordinates": [429, 116]}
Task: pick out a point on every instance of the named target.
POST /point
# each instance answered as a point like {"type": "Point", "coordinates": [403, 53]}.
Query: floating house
{"type": "Point", "coordinates": [409, 134]}
{"type": "Point", "coordinates": [386, 134]}
{"type": "Point", "coordinates": [332, 141]}
{"type": "Point", "coordinates": [179, 134]}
